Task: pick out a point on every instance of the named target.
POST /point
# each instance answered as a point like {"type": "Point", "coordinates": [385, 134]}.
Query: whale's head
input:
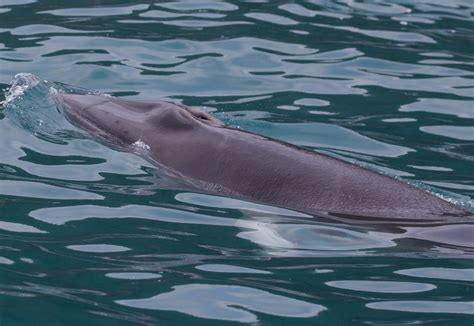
{"type": "Point", "coordinates": [125, 122]}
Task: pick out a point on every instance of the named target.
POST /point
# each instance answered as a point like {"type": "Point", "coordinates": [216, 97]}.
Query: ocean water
{"type": "Point", "coordinates": [90, 235]}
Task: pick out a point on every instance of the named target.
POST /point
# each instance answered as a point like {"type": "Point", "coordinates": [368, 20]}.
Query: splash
{"type": "Point", "coordinates": [454, 198]}
{"type": "Point", "coordinates": [24, 83]}
{"type": "Point", "coordinates": [33, 104]}
{"type": "Point", "coordinates": [20, 83]}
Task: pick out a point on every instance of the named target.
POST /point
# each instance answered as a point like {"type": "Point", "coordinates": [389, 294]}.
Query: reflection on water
{"type": "Point", "coordinates": [382, 286]}
{"type": "Point", "coordinates": [430, 307]}
{"type": "Point", "coordinates": [98, 248]}
{"type": "Point", "coordinates": [226, 302]}
{"type": "Point", "coordinates": [466, 274]}
{"type": "Point", "coordinates": [97, 236]}
{"type": "Point", "coordinates": [318, 238]}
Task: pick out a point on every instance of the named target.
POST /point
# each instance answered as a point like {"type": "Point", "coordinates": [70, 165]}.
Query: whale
{"type": "Point", "coordinates": [219, 159]}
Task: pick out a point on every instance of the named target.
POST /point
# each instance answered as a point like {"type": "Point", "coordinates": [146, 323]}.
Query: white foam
{"type": "Point", "coordinates": [20, 83]}
{"type": "Point", "coordinates": [141, 145]}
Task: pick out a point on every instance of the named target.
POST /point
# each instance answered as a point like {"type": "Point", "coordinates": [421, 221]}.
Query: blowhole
{"type": "Point", "coordinates": [203, 117]}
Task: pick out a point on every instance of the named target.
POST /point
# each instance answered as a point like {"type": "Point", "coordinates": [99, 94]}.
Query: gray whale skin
{"type": "Point", "coordinates": [228, 161]}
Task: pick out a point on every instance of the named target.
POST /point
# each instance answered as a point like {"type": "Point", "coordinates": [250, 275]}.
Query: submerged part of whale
{"type": "Point", "coordinates": [220, 159]}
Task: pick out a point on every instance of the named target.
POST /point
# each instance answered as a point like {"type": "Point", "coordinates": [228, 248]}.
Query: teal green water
{"type": "Point", "coordinates": [93, 236]}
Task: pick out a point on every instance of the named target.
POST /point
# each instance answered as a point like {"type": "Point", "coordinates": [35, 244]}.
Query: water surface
{"type": "Point", "coordinates": [91, 235]}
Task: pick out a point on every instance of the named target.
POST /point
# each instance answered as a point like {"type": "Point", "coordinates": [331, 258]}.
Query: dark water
{"type": "Point", "coordinates": [91, 236]}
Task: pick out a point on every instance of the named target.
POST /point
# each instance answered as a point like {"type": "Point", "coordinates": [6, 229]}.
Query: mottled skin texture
{"type": "Point", "coordinates": [224, 160]}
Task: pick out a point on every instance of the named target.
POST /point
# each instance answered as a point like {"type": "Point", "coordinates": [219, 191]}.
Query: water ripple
{"type": "Point", "coordinates": [103, 235]}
